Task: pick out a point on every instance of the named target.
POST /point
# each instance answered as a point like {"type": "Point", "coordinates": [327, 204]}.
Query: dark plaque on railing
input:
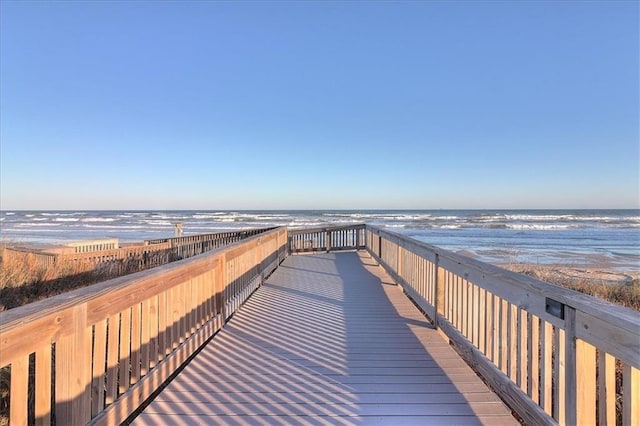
{"type": "Point", "coordinates": [555, 308]}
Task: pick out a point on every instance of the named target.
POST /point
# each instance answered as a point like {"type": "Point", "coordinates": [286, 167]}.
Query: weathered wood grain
{"type": "Point", "coordinates": [43, 386]}
{"type": "Point", "coordinates": [19, 390]}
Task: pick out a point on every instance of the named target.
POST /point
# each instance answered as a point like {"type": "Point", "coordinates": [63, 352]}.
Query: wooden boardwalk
{"type": "Point", "coordinates": [329, 339]}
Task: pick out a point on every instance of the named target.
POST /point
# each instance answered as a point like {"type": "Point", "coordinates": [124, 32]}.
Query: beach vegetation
{"type": "Point", "coordinates": [24, 279]}
{"type": "Point", "coordinates": [623, 291]}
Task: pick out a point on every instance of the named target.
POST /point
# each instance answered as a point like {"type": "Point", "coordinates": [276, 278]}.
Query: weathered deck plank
{"type": "Point", "coordinates": [329, 339]}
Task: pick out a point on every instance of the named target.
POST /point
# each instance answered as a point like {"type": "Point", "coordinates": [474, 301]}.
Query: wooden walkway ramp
{"type": "Point", "coordinates": [329, 339]}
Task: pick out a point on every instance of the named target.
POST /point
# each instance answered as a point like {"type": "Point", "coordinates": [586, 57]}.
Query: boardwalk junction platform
{"type": "Point", "coordinates": [344, 325]}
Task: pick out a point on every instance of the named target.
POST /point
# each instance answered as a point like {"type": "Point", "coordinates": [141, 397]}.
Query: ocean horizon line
{"type": "Point", "coordinates": [325, 209]}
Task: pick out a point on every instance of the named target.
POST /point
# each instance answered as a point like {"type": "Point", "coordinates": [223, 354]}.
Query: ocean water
{"type": "Point", "coordinates": [606, 238]}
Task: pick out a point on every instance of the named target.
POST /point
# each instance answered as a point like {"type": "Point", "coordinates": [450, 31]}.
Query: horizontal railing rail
{"type": "Point", "coordinates": [93, 355]}
{"type": "Point", "coordinates": [553, 354]}
{"type": "Point", "coordinates": [348, 237]}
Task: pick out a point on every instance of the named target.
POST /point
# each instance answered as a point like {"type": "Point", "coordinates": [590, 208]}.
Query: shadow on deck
{"type": "Point", "coordinates": [328, 339]}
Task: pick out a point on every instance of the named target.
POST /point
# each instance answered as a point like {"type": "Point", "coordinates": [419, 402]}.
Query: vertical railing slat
{"type": "Point", "coordinates": [495, 330]}
{"type": "Point", "coordinates": [18, 408]}
{"type": "Point", "coordinates": [73, 372]}
{"type": "Point", "coordinates": [483, 321]}
{"type": "Point", "coordinates": [559, 378]}
{"type": "Point", "coordinates": [630, 396]}
{"type": "Point", "coordinates": [43, 386]}
{"type": "Point", "coordinates": [145, 321]}
{"type": "Point", "coordinates": [113, 350]}
{"type": "Point", "coordinates": [164, 326]}
{"type": "Point", "coordinates": [523, 332]}
{"type": "Point", "coordinates": [136, 327]}
{"type": "Point", "coordinates": [504, 336]}
{"type": "Point", "coordinates": [533, 352]}
{"type": "Point", "coordinates": [546, 369]}
{"type": "Point", "coordinates": [98, 367]}
{"type": "Point", "coordinates": [571, 367]}
{"type": "Point", "coordinates": [124, 361]}
{"type": "Point", "coordinates": [585, 383]}
{"type": "Point", "coordinates": [513, 342]}
{"type": "Point", "coordinates": [606, 389]}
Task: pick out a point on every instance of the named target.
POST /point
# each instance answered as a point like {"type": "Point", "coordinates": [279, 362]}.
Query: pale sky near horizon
{"type": "Point", "coordinates": [295, 105]}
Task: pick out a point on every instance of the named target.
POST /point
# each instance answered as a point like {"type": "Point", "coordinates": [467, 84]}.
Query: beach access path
{"type": "Point", "coordinates": [328, 339]}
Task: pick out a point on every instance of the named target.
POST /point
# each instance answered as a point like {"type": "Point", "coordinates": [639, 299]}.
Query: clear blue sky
{"type": "Point", "coordinates": [268, 105]}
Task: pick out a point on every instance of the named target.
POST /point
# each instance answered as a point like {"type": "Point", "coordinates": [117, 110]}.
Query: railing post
{"type": "Point", "coordinates": [224, 291]}
{"type": "Point", "coordinates": [284, 251]}
{"type": "Point", "coordinates": [571, 400]}
{"type": "Point", "coordinates": [73, 376]}
{"type": "Point", "coordinates": [585, 383]}
{"type": "Point", "coordinates": [438, 291]}
{"type": "Point", "coordinates": [327, 240]}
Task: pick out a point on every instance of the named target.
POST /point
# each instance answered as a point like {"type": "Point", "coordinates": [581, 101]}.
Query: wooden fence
{"type": "Point", "coordinates": [549, 352]}
{"type": "Point", "coordinates": [95, 354]}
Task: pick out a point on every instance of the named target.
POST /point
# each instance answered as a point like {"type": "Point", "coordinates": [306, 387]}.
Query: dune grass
{"type": "Point", "coordinates": [621, 293]}
{"type": "Point", "coordinates": [24, 280]}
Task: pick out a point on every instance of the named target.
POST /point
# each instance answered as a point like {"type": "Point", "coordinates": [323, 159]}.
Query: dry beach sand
{"type": "Point", "coordinates": [569, 274]}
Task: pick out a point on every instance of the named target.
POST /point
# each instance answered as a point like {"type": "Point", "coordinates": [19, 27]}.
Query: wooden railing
{"type": "Point", "coordinates": [125, 258]}
{"type": "Point", "coordinates": [554, 355]}
{"type": "Point", "coordinates": [348, 237]}
{"type": "Point", "coordinates": [192, 245]}
{"type": "Point", "coordinates": [95, 354]}
{"type": "Point", "coordinates": [95, 245]}
{"type": "Point", "coordinates": [16, 254]}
